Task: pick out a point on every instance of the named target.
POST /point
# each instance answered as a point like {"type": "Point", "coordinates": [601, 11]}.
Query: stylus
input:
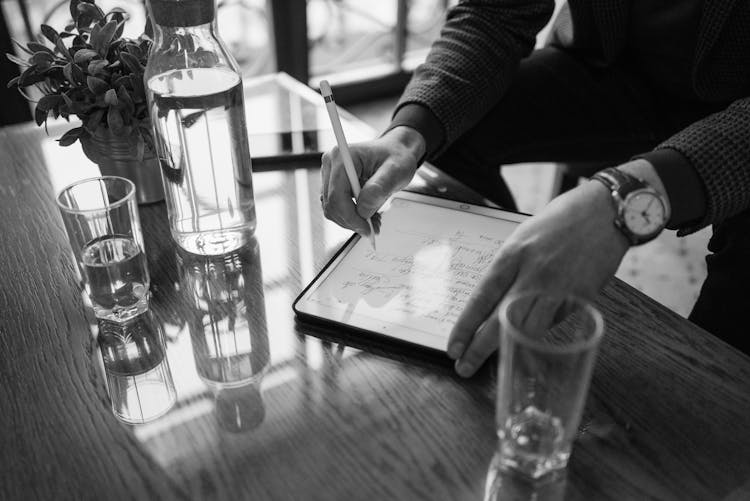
{"type": "Point", "coordinates": [346, 156]}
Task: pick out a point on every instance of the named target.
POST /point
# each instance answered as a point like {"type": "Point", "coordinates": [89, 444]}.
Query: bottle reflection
{"type": "Point", "coordinates": [505, 485]}
{"type": "Point", "coordinates": [139, 381]}
{"type": "Point", "coordinates": [228, 330]}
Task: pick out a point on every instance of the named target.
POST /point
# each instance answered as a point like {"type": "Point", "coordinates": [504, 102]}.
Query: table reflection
{"type": "Point", "coordinates": [228, 330]}
{"type": "Point", "coordinates": [505, 485]}
{"type": "Point", "coordinates": [139, 380]}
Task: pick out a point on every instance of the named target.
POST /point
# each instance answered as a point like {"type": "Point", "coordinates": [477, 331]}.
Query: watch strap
{"type": "Point", "coordinates": [620, 185]}
{"type": "Point", "coordinates": [619, 182]}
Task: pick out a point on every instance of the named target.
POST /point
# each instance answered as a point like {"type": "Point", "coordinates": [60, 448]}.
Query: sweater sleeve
{"type": "Point", "coordinates": [473, 62]}
{"type": "Point", "coordinates": [718, 148]}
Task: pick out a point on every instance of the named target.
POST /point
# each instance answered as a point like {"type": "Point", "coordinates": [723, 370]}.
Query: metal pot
{"type": "Point", "coordinates": [118, 156]}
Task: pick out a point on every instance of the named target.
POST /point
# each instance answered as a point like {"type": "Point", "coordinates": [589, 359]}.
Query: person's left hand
{"type": "Point", "coordinates": [571, 246]}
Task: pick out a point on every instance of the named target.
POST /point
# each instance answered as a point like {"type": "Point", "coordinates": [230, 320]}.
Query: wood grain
{"type": "Point", "coordinates": [667, 415]}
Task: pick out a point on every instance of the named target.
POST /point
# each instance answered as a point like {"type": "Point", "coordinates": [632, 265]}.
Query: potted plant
{"type": "Point", "coordinates": [91, 72]}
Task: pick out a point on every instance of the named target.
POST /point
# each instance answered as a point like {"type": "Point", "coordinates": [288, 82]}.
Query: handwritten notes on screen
{"type": "Point", "coordinates": [428, 261]}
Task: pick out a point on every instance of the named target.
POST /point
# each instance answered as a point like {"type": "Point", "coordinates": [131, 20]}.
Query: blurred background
{"type": "Point", "coordinates": [367, 50]}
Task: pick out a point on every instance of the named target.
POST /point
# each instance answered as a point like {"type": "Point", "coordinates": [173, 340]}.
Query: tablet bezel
{"type": "Point", "coordinates": [347, 330]}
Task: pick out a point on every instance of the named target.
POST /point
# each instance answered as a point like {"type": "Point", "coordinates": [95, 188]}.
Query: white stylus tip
{"type": "Point", "coordinates": [325, 88]}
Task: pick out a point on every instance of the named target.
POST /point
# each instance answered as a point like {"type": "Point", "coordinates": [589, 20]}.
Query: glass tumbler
{"type": "Point", "coordinates": [548, 346]}
{"type": "Point", "coordinates": [101, 219]}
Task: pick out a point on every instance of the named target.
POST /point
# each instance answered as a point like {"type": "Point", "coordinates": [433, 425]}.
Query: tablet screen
{"type": "Point", "coordinates": [430, 256]}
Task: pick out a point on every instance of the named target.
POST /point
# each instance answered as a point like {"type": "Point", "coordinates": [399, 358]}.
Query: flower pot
{"type": "Point", "coordinates": [118, 156]}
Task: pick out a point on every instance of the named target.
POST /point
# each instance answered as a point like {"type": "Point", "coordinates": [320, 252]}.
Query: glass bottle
{"type": "Point", "coordinates": [196, 104]}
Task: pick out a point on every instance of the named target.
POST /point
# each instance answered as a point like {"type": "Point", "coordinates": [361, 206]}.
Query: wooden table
{"type": "Point", "coordinates": [667, 416]}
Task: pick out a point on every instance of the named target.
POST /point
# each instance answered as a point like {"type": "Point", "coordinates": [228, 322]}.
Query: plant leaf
{"type": "Point", "coordinates": [114, 120]}
{"type": "Point", "coordinates": [20, 46]}
{"type": "Point", "coordinates": [42, 60]}
{"type": "Point", "coordinates": [49, 33]}
{"type": "Point", "coordinates": [40, 115]}
{"type": "Point", "coordinates": [87, 13]}
{"type": "Point", "coordinates": [148, 29]}
{"type": "Point", "coordinates": [136, 82]}
{"type": "Point", "coordinates": [26, 76]}
{"type": "Point", "coordinates": [18, 60]}
{"type": "Point", "coordinates": [97, 66]}
{"type": "Point", "coordinates": [125, 100]}
{"type": "Point", "coordinates": [131, 62]}
{"type": "Point", "coordinates": [93, 35]}
{"type": "Point", "coordinates": [94, 120]}
{"type": "Point", "coordinates": [83, 56]}
{"type": "Point", "coordinates": [103, 37]}
{"type": "Point", "coordinates": [60, 45]}
{"type": "Point", "coordinates": [88, 9]}
{"type": "Point", "coordinates": [74, 8]}
{"type": "Point", "coordinates": [120, 29]}
{"type": "Point", "coordinates": [110, 97]}
{"type": "Point", "coordinates": [37, 47]}
{"type": "Point", "coordinates": [96, 85]}
{"type": "Point", "coordinates": [71, 136]}
{"type": "Point", "coordinates": [48, 102]}
{"type": "Point", "coordinates": [79, 77]}
{"type": "Point", "coordinates": [68, 72]}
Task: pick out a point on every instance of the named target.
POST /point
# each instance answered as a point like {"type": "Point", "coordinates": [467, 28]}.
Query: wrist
{"type": "Point", "coordinates": [409, 138]}
{"type": "Point", "coordinates": [604, 211]}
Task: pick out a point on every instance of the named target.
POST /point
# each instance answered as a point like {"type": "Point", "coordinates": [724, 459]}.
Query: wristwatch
{"type": "Point", "coordinates": [642, 211]}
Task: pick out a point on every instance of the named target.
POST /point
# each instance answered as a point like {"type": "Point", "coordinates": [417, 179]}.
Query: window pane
{"type": "Point", "coordinates": [352, 36]}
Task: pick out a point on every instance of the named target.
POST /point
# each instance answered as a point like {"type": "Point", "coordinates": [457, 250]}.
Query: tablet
{"type": "Point", "coordinates": [430, 255]}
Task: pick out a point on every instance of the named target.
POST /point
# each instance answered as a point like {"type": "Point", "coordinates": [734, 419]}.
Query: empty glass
{"type": "Point", "coordinates": [101, 218]}
{"type": "Point", "coordinates": [548, 346]}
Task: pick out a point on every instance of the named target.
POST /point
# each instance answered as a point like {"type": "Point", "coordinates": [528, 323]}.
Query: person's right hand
{"type": "Point", "coordinates": [384, 166]}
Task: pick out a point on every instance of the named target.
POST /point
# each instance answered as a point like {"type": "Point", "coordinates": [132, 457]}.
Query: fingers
{"type": "Point", "coordinates": [481, 347]}
{"type": "Point", "coordinates": [338, 205]}
{"type": "Point", "coordinates": [325, 174]}
{"type": "Point", "coordinates": [336, 192]}
{"type": "Point", "coordinates": [388, 179]}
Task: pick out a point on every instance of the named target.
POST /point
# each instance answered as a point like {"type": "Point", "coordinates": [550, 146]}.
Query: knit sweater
{"type": "Point", "coordinates": [473, 63]}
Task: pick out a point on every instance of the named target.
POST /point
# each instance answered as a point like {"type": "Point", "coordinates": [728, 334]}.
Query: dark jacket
{"type": "Point", "coordinates": [473, 63]}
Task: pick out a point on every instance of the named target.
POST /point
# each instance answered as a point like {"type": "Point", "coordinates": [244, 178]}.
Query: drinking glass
{"type": "Point", "coordinates": [101, 218]}
{"type": "Point", "coordinates": [548, 346]}
{"type": "Point", "coordinates": [139, 380]}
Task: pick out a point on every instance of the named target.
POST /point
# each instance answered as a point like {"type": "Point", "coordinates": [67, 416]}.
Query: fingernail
{"type": "Point", "coordinates": [464, 369]}
{"type": "Point", "coordinates": [455, 350]}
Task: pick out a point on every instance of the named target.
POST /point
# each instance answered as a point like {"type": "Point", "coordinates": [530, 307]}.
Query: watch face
{"type": "Point", "coordinates": [644, 213]}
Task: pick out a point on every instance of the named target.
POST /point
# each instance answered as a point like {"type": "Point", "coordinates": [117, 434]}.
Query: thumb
{"type": "Point", "coordinates": [387, 180]}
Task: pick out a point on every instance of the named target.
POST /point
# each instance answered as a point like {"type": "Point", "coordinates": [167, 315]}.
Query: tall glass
{"type": "Point", "coordinates": [548, 346]}
{"type": "Point", "coordinates": [196, 103]}
{"type": "Point", "coordinates": [101, 219]}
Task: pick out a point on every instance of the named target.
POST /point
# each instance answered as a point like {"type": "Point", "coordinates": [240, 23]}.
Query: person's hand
{"type": "Point", "coordinates": [571, 246]}
{"type": "Point", "coordinates": [384, 166]}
